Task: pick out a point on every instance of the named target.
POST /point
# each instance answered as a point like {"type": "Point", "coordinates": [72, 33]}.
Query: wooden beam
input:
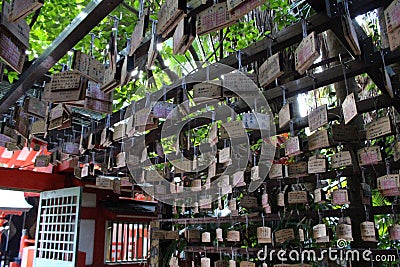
{"type": "Point", "coordinates": [30, 181]}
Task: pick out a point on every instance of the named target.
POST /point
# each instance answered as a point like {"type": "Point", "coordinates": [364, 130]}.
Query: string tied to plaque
{"type": "Point", "coordinates": [283, 88]}
{"type": "Point", "coordinates": [239, 54]}
{"type": "Point", "coordinates": [344, 70]}
{"type": "Point", "coordinates": [141, 8]}
{"type": "Point", "coordinates": [387, 164]}
{"type": "Point", "coordinates": [394, 212]}
{"type": "Point", "coordinates": [366, 209]}
{"type": "Point", "coordinates": [291, 125]}
{"type": "Point", "coordinates": [304, 27]}
{"type": "Point", "coordinates": [363, 175]}
{"type": "Point", "coordinates": [314, 79]}
{"type": "Point", "coordinates": [92, 39]}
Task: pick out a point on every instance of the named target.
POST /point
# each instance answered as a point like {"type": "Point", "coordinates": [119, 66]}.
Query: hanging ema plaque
{"type": "Point", "coordinates": [306, 53]}
{"type": "Point", "coordinates": [369, 155]}
{"type": "Point", "coordinates": [22, 8]}
{"type": "Point", "coordinates": [214, 18]}
{"type": "Point", "coordinates": [271, 69]}
{"type": "Point", "coordinates": [88, 66]}
{"type": "Point", "coordinates": [378, 128]}
{"type": "Point", "coordinates": [341, 159]}
{"type": "Point", "coordinates": [14, 40]}
{"type": "Point", "coordinates": [349, 108]}
{"type": "Point", "coordinates": [169, 15]}
{"type": "Point", "coordinates": [318, 117]}
{"type": "Point", "coordinates": [319, 139]}
{"type": "Point", "coordinates": [140, 31]}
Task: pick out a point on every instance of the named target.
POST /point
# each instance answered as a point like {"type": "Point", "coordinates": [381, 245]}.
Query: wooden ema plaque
{"type": "Point", "coordinates": [350, 34]}
{"type": "Point", "coordinates": [248, 202]}
{"type": "Point", "coordinates": [163, 109]}
{"type": "Point", "coordinates": [152, 54]}
{"type": "Point", "coordinates": [369, 155]}
{"type": "Point", "coordinates": [318, 117]}
{"type": "Point", "coordinates": [42, 161]}
{"type": "Point", "coordinates": [184, 35]}
{"type": "Point", "coordinates": [256, 121]}
{"type": "Point", "coordinates": [264, 235]}
{"type": "Point", "coordinates": [139, 32]}
{"type": "Point", "coordinates": [14, 40]}
{"type": "Point", "coordinates": [396, 155]}
{"type": "Point", "coordinates": [20, 29]}
{"type": "Point", "coordinates": [298, 169]}
{"type": "Point", "coordinates": [234, 129]}
{"type": "Point", "coordinates": [292, 146]}
{"type": "Point", "coordinates": [233, 236]}
{"type": "Point", "coordinates": [224, 155]}
{"type": "Point", "coordinates": [22, 123]}
{"type": "Point", "coordinates": [169, 15]}
{"type": "Point", "coordinates": [394, 39]}
{"type": "Point", "coordinates": [109, 80]}
{"type": "Point", "coordinates": [65, 87]}
{"type": "Point", "coordinates": [255, 173]}
{"type": "Point", "coordinates": [180, 36]}
{"type": "Point", "coordinates": [89, 67]}
{"type": "Point", "coordinates": [204, 262]}
{"type": "Point", "coordinates": [284, 235]}
{"type": "Point", "coordinates": [191, 36]}
{"type": "Point", "coordinates": [349, 108]}
{"type": "Point", "coordinates": [20, 9]}
{"type": "Point", "coordinates": [35, 107]}
{"type": "Point", "coordinates": [271, 69]}
{"type": "Point", "coordinates": [319, 230]}
{"type": "Point", "coordinates": [232, 4]}
{"type": "Point", "coordinates": [206, 90]}
{"type": "Point", "coordinates": [247, 264]}
{"type": "Point", "coordinates": [220, 263]}
{"type": "Point", "coordinates": [245, 7]}
{"type": "Point", "coordinates": [368, 232]}
{"type": "Point", "coordinates": [285, 115]}
{"type": "Point", "coordinates": [378, 128]}
{"type": "Point", "coordinates": [67, 80]}
{"type": "Point", "coordinates": [158, 234]}
{"type": "Point", "coordinates": [392, 23]}
{"type": "Point", "coordinates": [317, 164]}
{"type": "Point", "coordinates": [340, 197]}
{"type": "Point", "coordinates": [344, 231]}
{"type": "Point", "coordinates": [276, 171]}
{"type": "Point", "coordinates": [341, 159]}
{"type": "Point", "coordinates": [297, 197]}
{"type": "Point", "coordinates": [206, 237]}
{"type": "Point", "coordinates": [38, 127]}
{"type": "Point", "coordinates": [214, 18]}
{"type": "Point", "coordinates": [394, 232]}
{"type": "Point", "coordinates": [319, 139]}
{"type": "Point", "coordinates": [171, 235]}
{"type": "Point", "coordinates": [193, 235]}
{"type": "Point", "coordinates": [344, 133]}
{"type": "Point", "coordinates": [239, 82]}
{"type": "Point", "coordinates": [153, 176]}
{"type": "Point", "coordinates": [97, 100]}
{"type": "Point", "coordinates": [389, 181]}
{"type": "Point", "coordinates": [306, 53]}
{"type": "Point", "coordinates": [392, 16]}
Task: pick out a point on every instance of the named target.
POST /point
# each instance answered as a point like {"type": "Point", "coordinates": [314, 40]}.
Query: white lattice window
{"type": "Point", "coordinates": [57, 230]}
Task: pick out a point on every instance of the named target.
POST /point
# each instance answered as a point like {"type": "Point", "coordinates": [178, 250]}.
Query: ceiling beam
{"type": "Point", "coordinates": [90, 17]}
